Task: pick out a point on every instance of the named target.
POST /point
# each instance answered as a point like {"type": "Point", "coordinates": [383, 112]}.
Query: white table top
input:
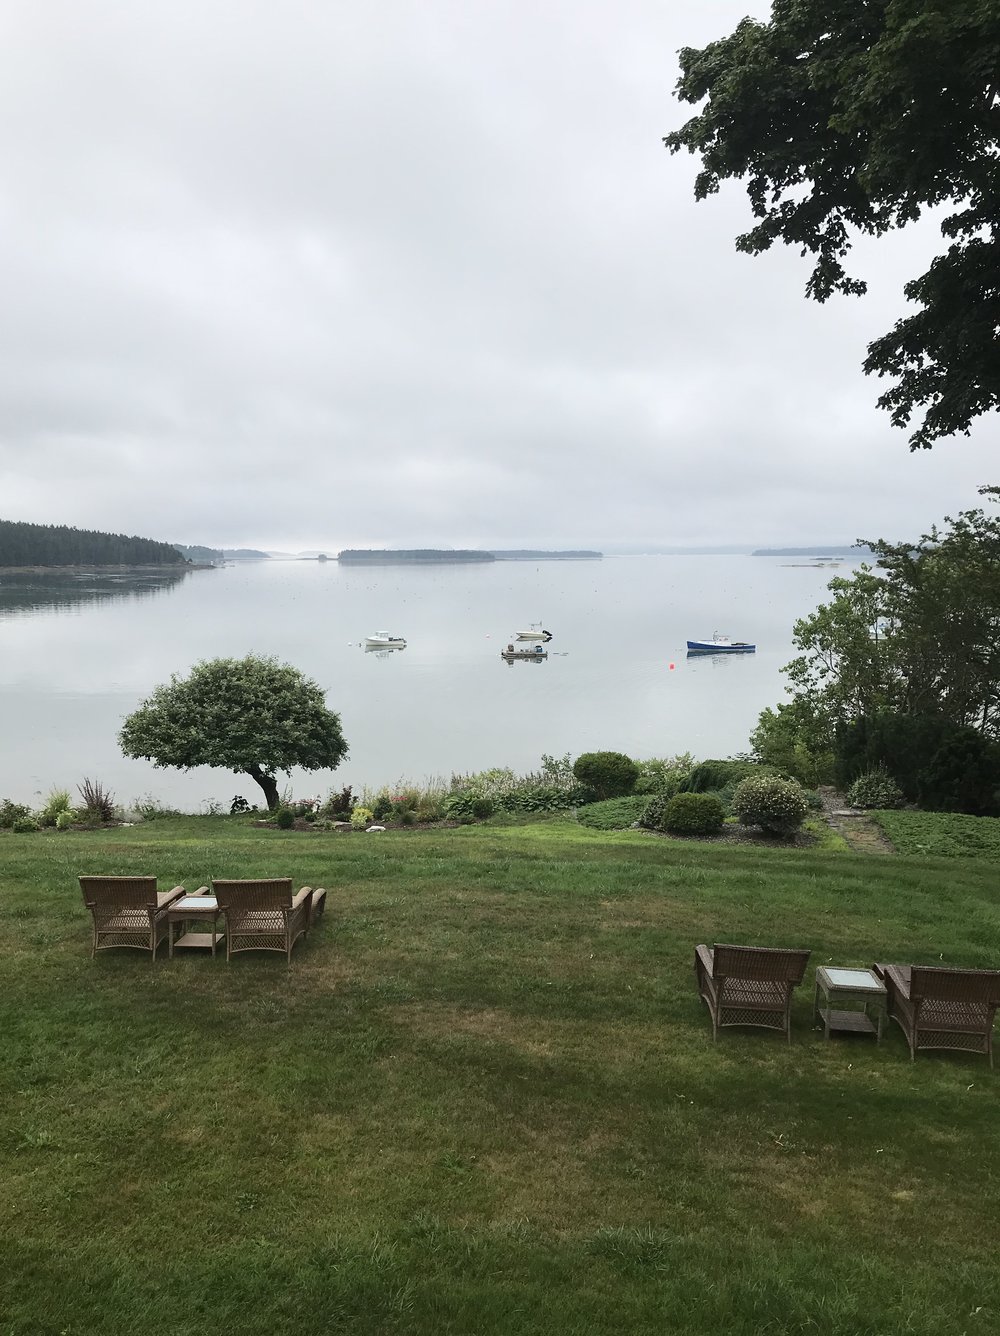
{"type": "Point", "coordinates": [858, 979]}
{"type": "Point", "coordinates": [196, 902]}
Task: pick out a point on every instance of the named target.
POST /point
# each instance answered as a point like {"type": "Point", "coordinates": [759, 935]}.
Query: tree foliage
{"type": "Point", "coordinates": [855, 116]}
{"type": "Point", "coordinates": [903, 657]}
{"type": "Point", "coordinates": [24, 544]}
{"type": "Point", "coordinates": [253, 716]}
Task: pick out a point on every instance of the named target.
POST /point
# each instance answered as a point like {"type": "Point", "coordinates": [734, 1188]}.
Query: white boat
{"type": "Point", "coordinates": [537, 632]}
{"type": "Point", "coordinates": [383, 640]}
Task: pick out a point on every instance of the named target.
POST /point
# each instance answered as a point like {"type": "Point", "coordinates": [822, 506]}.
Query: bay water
{"type": "Point", "coordinates": [79, 651]}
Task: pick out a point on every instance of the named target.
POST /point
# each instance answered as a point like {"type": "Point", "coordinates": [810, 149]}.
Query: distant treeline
{"type": "Point", "coordinates": [390, 556]}
{"type": "Point", "coordinates": [532, 554]}
{"type": "Point", "coordinates": [352, 556]}
{"type": "Point", "coordinates": [57, 545]}
{"type": "Point", "coordinates": [219, 554]}
{"type": "Point", "coordinates": [844, 550]}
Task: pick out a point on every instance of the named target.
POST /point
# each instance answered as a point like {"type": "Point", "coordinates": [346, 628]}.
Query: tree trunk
{"type": "Point", "coordinates": [268, 783]}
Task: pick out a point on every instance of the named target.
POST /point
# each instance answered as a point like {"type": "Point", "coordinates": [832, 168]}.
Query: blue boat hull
{"type": "Point", "coordinates": [714, 647]}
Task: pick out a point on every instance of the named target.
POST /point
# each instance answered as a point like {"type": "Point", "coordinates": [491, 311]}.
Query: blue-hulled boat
{"type": "Point", "coordinates": [720, 645]}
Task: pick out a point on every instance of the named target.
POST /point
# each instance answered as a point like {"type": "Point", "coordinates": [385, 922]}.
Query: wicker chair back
{"type": "Point", "coordinates": [933, 983]}
{"type": "Point", "coordinates": [119, 892]}
{"type": "Point", "coordinates": [767, 963]}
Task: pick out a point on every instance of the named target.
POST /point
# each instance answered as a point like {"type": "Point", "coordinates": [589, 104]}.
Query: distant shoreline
{"type": "Point", "coordinates": [171, 569]}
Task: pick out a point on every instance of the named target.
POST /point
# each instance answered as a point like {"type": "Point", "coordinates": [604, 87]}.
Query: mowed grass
{"type": "Point", "coordinates": [486, 1098]}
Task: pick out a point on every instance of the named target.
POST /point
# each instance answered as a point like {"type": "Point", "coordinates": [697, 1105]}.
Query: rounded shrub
{"type": "Point", "coordinates": [652, 817]}
{"type": "Point", "coordinates": [65, 819]}
{"type": "Point", "coordinates": [482, 807]}
{"type": "Point", "coordinates": [361, 817]}
{"type": "Point", "coordinates": [24, 825]}
{"type": "Point", "coordinates": [875, 789]}
{"type": "Point", "coordinates": [284, 818]}
{"type": "Point", "coordinates": [607, 774]}
{"type": "Point", "coordinates": [778, 806]}
{"type": "Point", "coordinates": [693, 814]}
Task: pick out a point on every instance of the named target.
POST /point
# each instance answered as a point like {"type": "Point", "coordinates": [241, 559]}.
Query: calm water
{"type": "Point", "coordinates": [78, 653]}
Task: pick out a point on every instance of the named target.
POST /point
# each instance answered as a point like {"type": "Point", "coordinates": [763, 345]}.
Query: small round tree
{"type": "Point", "coordinates": [254, 716]}
{"type": "Point", "coordinates": [608, 774]}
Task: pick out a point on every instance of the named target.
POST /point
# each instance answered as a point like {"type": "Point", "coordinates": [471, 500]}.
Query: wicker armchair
{"type": "Point", "coordinates": [264, 915]}
{"type": "Point", "coordinates": [943, 1008]}
{"type": "Point", "coordinates": [128, 911]}
{"type": "Point", "coordinates": [749, 985]}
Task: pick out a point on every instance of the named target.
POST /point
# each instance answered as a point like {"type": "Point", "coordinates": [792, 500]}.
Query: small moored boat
{"type": "Point", "coordinates": [537, 632]}
{"type": "Point", "coordinates": [383, 640]}
{"type": "Point", "coordinates": [720, 645]}
{"type": "Point", "coordinates": [510, 653]}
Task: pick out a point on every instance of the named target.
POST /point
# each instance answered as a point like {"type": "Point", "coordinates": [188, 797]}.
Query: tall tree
{"type": "Point", "coordinates": [855, 116]}
{"type": "Point", "coordinates": [253, 716]}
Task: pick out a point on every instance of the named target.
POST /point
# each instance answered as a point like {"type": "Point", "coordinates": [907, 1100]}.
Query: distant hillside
{"type": "Point", "coordinates": [406, 556]}
{"type": "Point", "coordinates": [57, 545]}
{"type": "Point", "coordinates": [218, 554]}
{"type": "Point", "coordinates": [533, 554]}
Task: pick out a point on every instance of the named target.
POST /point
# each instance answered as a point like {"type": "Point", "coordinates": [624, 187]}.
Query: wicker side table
{"type": "Point", "coordinates": [838, 995]}
{"type": "Point", "coordinates": [193, 908]}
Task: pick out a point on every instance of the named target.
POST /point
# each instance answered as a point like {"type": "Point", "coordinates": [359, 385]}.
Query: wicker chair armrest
{"type": "Point", "coordinates": [896, 980]}
{"type": "Point", "coordinates": [704, 954]}
{"type": "Point", "coordinates": [302, 897]}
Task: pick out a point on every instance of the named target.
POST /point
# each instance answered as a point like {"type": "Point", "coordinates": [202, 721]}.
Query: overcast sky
{"type": "Point", "coordinates": [317, 274]}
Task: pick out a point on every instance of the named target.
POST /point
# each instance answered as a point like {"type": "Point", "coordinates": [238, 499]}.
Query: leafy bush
{"type": "Point", "coordinates": [381, 807]}
{"type": "Point", "coordinates": [710, 776]}
{"type": "Point", "coordinates": [607, 774]}
{"type": "Point", "coordinates": [57, 801]}
{"type": "Point", "coordinates": [693, 814]}
{"type": "Point", "coordinates": [24, 825]}
{"type": "Point", "coordinates": [652, 816]}
{"type": "Point", "coordinates": [98, 807]}
{"type": "Point", "coordinates": [778, 806]}
{"type": "Point", "coordinates": [663, 774]}
{"type": "Point", "coordinates": [875, 788]}
{"type": "Point", "coordinates": [284, 818]}
{"type": "Point", "coordinates": [796, 742]}
{"type": "Point", "coordinates": [361, 817]}
{"type": "Point", "coordinates": [466, 806]}
{"type": "Point", "coordinates": [614, 813]}
{"type": "Point", "coordinates": [65, 820]}
{"type": "Point", "coordinates": [150, 808]}
{"type": "Point", "coordinates": [553, 788]}
{"type": "Point", "coordinates": [239, 806]}
{"type": "Point", "coordinates": [903, 743]}
{"type": "Point", "coordinates": [11, 812]}
{"type": "Point", "coordinates": [339, 804]}
{"type": "Point", "coordinates": [963, 775]}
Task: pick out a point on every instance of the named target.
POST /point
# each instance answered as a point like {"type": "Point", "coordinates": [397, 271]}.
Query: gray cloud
{"type": "Point", "coordinates": [327, 275]}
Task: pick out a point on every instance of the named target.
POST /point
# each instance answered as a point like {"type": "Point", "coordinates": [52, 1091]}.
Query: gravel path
{"type": "Point", "coordinates": [857, 828]}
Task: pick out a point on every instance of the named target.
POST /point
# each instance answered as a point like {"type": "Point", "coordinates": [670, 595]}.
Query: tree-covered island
{"type": "Point", "coordinates": [23, 544]}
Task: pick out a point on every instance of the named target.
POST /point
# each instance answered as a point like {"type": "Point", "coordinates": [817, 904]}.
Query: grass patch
{"type": "Point", "coordinates": [485, 1098]}
{"type": "Point", "coordinates": [942, 834]}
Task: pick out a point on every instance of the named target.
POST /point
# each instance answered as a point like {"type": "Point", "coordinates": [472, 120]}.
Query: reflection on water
{"type": "Point", "coordinates": [23, 592]}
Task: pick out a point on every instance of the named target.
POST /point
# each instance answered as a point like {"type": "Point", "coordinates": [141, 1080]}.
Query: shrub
{"type": "Point", "coordinates": [614, 813]}
{"type": "Point", "coordinates": [98, 803]}
{"type": "Point", "coordinates": [361, 817]}
{"type": "Point", "coordinates": [875, 788]}
{"type": "Point", "coordinates": [339, 805]}
{"type": "Point", "coordinates": [239, 806]}
{"type": "Point", "coordinates": [11, 812]}
{"type": "Point", "coordinates": [381, 807]}
{"type": "Point", "coordinates": [710, 776]}
{"type": "Point", "coordinates": [24, 825]}
{"type": "Point", "coordinates": [284, 818]}
{"type": "Point", "coordinates": [652, 817]}
{"type": "Point", "coordinates": [778, 806]}
{"type": "Point", "coordinates": [466, 806]}
{"type": "Point", "coordinates": [693, 814]}
{"type": "Point", "coordinates": [65, 819]}
{"type": "Point", "coordinates": [607, 774]}
{"type": "Point", "coordinates": [963, 775]}
{"type": "Point", "coordinates": [482, 807]}
{"type": "Point", "coordinates": [56, 802]}
{"type": "Point", "coordinates": [663, 775]}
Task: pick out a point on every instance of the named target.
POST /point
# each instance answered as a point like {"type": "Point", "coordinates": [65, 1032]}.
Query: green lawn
{"type": "Point", "coordinates": [485, 1100]}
